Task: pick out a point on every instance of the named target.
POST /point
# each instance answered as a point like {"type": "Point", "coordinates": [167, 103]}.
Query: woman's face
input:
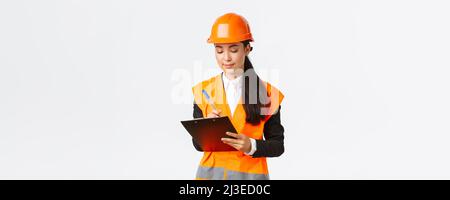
{"type": "Point", "coordinates": [231, 56]}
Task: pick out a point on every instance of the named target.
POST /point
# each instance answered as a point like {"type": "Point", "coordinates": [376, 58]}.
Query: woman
{"type": "Point", "coordinates": [252, 105]}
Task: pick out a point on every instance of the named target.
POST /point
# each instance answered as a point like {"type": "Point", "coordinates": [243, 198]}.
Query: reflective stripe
{"type": "Point", "coordinates": [211, 173]}
{"type": "Point", "coordinates": [234, 175]}
{"type": "Point", "coordinates": [217, 173]}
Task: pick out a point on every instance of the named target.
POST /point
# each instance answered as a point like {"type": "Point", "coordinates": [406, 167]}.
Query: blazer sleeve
{"type": "Point", "coordinates": [273, 143]}
{"type": "Point", "coordinates": [197, 114]}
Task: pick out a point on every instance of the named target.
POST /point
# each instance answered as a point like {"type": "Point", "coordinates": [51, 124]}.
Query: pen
{"type": "Point", "coordinates": [209, 100]}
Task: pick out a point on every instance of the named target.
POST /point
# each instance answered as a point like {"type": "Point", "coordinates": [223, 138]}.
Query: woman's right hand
{"type": "Point", "coordinates": [214, 113]}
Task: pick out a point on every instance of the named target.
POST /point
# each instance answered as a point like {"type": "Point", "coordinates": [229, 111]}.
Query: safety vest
{"type": "Point", "coordinates": [233, 164]}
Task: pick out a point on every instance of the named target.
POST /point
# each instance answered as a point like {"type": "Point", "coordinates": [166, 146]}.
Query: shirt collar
{"type": "Point", "coordinates": [237, 80]}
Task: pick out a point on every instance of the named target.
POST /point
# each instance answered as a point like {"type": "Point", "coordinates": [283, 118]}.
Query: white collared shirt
{"type": "Point", "coordinates": [233, 92]}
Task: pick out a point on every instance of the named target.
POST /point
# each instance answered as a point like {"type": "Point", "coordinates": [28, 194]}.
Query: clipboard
{"type": "Point", "coordinates": [209, 131]}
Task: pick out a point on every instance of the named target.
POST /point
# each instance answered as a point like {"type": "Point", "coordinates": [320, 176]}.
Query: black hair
{"type": "Point", "coordinates": [255, 95]}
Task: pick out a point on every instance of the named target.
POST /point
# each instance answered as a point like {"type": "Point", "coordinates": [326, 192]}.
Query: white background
{"type": "Point", "coordinates": [89, 89]}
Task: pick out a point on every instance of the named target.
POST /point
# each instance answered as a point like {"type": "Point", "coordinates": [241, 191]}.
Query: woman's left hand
{"type": "Point", "coordinates": [241, 143]}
